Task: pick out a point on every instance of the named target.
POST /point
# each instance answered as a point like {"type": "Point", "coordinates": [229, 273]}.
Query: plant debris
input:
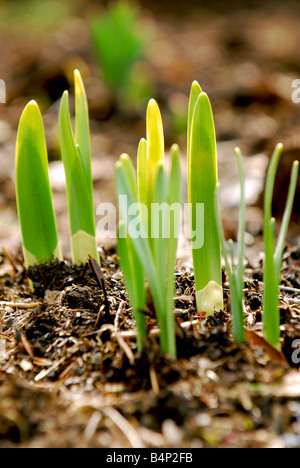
{"type": "Point", "coordinates": [61, 376]}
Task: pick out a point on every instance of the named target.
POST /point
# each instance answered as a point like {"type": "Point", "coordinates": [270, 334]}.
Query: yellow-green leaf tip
{"type": "Point", "coordinates": [79, 87]}
{"type": "Point", "coordinates": [152, 108]}
{"type": "Point", "coordinates": [196, 85]}
{"type": "Point", "coordinates": [175, 147]}
{"type": "Point", "coordinates": [280, 146]}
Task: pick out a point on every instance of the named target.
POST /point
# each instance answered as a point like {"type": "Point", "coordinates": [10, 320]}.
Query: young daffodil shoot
{"type": "Point", "coordinates": [33, 192]}
{"type": "Point", "coordinates": [76, 156]}
{"type": "Point", "coordinates": [202, 180]}
{"type": "Point", "coordinates": [148, 237]}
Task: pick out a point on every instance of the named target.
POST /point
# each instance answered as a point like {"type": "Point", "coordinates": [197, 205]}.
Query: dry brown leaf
{"type": "Point", "coordinates": [258, 341]}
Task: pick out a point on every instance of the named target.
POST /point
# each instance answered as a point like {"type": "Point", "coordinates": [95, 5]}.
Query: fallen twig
{"type": "Point", "coordinates": [128, 430]}
{"type": "Point", "coordinates": [20, 305]}
{"type": "Point", "coordinates": [116, 333]}
{"type": "Point", "coordinates": [130, 334]}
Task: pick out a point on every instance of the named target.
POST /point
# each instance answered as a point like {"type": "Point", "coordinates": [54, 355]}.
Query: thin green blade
{"type": "Point", "coordinates": [142, 180]}
{"type": "Point", "coordinates": [175, 193]}
{"type": "Point", "coordinates": [271, 315]}
{"type": "Point", "coordinates": [242, 225]}
{"type": "Point", "coordinates": [271, 320]}
{"type": "Point", "coordinates": [286, 218]}
{"type": "Point", "coordinates": [158, 243]}
{"type": "Point", "coordinates": [127, 198]}
{"type": "Point", "coordinates": [80, 203]}
{"type": "Point", "coordinates": [82, 128]}
{"type": "Point", "coordinates": [134, 280]}
{"type": "Point", "coordinates": [33, 192]}
{"type": "Point", "coordinates": [142, 171]}
{"type": "Point", "coordinates": [235, 286]}
{"type": "Point", "coordinates": [130, 173]}
{"type": "Point", "coordinates": [269, 187]}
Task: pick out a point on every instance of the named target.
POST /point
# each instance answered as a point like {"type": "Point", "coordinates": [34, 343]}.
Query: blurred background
{"type": "Point", "coordinates": [245, 55]}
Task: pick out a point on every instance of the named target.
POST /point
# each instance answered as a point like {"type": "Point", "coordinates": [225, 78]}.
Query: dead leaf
{"type": "Point", "coordinates": [256, 340]}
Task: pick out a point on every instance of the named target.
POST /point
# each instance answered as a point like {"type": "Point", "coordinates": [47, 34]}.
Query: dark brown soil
{"type": "Point", "coordinates": [70, 377]}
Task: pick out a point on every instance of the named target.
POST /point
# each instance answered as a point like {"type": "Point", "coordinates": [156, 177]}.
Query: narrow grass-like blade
{"type": "Point", "coordinates": [33, 192]}
{"type": "Point", "coordinates": [80, 202]}
{"type": "Point", "coordinates": [134, 279]}
{"type": "Point", "coordinates": [82, 128]}
{"type": "Point", "coordinates": [271, 320]}
{"type": "Point", "coordinates": [242, 226]}
{"type": "Point", "coordinates": [269, 186]}
{"type": "Point", "coordinates": [271, 317]}
{"type": "Point", "coordinates": [236, 294]}
{"type": "Point", "coordinates": [127, 198]}
{"type": "Point", "coordinates": [158, 222]}
{"type": "Point", "coordinates": [159, 217]}
{"type": "Point", "coordinates": [130, 173]}
{"type": "Point", "coordinates": [175, 193]}
{"type": "Point", "coordinates": [286, 219]}
{"type": "Point", "coordinates": [142, 180]}
{"type": "Point", "coordinates": [142, 171]}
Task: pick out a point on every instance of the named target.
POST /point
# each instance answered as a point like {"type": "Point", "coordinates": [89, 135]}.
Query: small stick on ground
{"type": "Point", "coordinates": [10, 259]}
{"type": "Point", "coordinates": [96, 269]}
{"type": "Point", "coordinates": [128, 430]}
{"type": "Point", "coordinates": [154, 380]}
{"type": "Point", "coordinates": [117, 334]}
{"type": "Point", "coordinates": [20, 305]}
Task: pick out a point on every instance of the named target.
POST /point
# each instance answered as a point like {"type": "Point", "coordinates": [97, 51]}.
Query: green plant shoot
{"type": "Point", "coordinates": [158, 198]}
{"type": "Point", "coordinates": [235, 273]}
{"type": "Point", "coordinates": [33, 192]}
{"type": "Point", "coordinates": [76, 156]}
{"type": "Point", "coordinates": [134, 281]}
{"type": "Point", "coordinates": [202, 180]}
{"type": "Point", "coordinates": [117, 42]}
{"type": "Point", "coordinates": [155, 154]}
{"type": "Point", "coordinates": [273, 254]}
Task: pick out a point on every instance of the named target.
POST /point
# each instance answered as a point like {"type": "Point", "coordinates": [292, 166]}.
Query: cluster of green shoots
{"type": "Point", "coordinates": [144, 259]}
{"type": "Point", "coordinates": [273, 254]}
{"type": "Point", "coordinates": [148, 259]}
{"type": "Point", "coordinates": [148, 233]}
{"type": "Point", "coordinates": [33, 191]}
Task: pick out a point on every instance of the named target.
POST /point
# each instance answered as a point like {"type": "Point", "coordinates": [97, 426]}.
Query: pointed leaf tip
{"type": "Point", "coordinates": [78, 81]}
{"type": "Point", "coordinates": [32, 103]}
{"type": "Point", "coordinates": [196, 86]}
{"type": "Point", "coordinates": [31, 108]}
{"type": "Point", "coordinates": [152, 107]}
{"type": "Point", "coordinates": [124, 157]}
{"type": "Point", "coordinates": [280, 146]}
